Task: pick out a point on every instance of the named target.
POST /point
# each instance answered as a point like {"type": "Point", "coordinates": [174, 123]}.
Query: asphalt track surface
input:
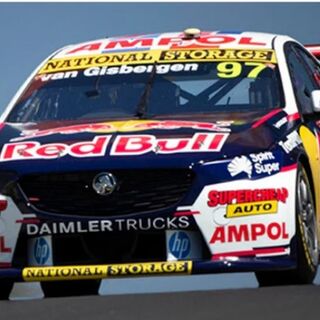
{"type": "Point", "coordinates": [291, 302]}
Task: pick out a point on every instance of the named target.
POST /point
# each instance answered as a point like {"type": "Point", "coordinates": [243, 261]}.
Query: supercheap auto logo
{"type": "Point", "coordinates": [242, 203]}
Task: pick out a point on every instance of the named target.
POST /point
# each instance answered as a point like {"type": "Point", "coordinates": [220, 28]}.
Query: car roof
{"type": "Point", "coordinates": [174, 40]}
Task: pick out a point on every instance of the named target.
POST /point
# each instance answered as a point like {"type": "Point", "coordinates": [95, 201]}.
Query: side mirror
{"type": "Point", "coordinates": [315, 96]}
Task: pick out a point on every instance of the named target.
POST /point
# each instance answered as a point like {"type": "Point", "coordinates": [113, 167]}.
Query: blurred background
{"type": "Point", "coordinates": [31, 31]}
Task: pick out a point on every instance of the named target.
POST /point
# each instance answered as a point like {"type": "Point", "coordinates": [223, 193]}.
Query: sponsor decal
{"type": "Point", "coordinates": [3, 247]}
{"type": "Point", "coordinates": [183, 267]}
{"type": "Point", "coordinates": [141, 144]}
{"type": "Point", "coordinates": [249, 232]}
{"type": "Point", "coordinates": [218, 55]}
{"type": "Point", "coordinates": [210, 39]}
{"type": "Point", "coordinates": [34, 150]}
{"type": "Point", "coordinates": [216, 198]}
{"type": "Point", "coordinates": [280, 123]}
{"type": "Point", "coordinates": [104, 271]}
{"type": "Point", "coordinates": [261, 163]}
{"type": "Point", "coordinates": [183, 245]}
{"type": "Point", "coordinates": [293, 140]}
{"type": "Point", "coordinates": [239, 165]}
{"type": "Point", "coordinates": [111, 59]}
{"type": "Point", "coordinates": [41, 251]}
{"type": "Point", "coordinates": [126, 126]}
{"type": "Point", "coordinates": [180, 244]}
{"type": "Point", "coordinates": [92, 226]}
{"type": "Point", "coordinates": [232, 208]}
{"type": "Point", "coordinates": [150, 57]}
{"type": "Point", "coordinates": [123, 145]}
{"type": "Point", "coordinates": [251, 208]}
{"type": "Point", "coordinates": [243, 203]}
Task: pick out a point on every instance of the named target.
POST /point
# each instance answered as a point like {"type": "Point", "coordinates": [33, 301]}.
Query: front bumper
{"type": "Point", "coordinates": [241, 234]}
{"type": "Point", "coordinates": [164, 268]}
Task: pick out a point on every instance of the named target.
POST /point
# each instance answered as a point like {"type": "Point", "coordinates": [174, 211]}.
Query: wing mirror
{"type": "Point", "coordinates": [315, 96]}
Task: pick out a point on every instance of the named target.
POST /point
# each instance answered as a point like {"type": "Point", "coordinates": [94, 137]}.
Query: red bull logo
{"type": "Point", "coordinates": [123, 145]}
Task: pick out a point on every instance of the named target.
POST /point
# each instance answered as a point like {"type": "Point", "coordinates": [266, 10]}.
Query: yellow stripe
{"type": "Point", "coordinates": [111, 59]}
{"type": "Point", "coordinates": [151, 56]}
{"type": "Point", "coordinates": [105, 271]}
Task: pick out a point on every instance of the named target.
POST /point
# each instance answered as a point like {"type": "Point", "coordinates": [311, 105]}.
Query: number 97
{"type": "Point", "coordinates": [234, 69]}
{"type": "Point", "coordinates": [229, 69]}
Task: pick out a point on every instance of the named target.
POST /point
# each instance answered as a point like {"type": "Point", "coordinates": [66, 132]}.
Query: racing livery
{"type": "Point", "coordinates": [178, 153]}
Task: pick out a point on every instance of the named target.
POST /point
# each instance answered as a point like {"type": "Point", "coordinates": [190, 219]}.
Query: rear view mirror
{"type": "Point", "coordinates": [315, 96]}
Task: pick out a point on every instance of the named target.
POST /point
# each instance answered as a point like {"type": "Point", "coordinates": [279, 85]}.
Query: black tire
{"type": "Point", "coordinates": [70, 288]}
{"type": "Point", "coordinates": [5, 289]}
{"type": "Point", "coordinates": [307, 252]}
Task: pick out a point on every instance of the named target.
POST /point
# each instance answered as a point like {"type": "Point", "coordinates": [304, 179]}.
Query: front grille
{"type": "Point", "coordinates": [138, 191]}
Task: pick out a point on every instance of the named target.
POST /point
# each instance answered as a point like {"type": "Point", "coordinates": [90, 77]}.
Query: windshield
{"type": "Point", "coordinates": [190, 86]}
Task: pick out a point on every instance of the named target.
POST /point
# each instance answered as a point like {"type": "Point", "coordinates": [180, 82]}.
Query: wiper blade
{"type": "Point", "coordinates": [141, 109]}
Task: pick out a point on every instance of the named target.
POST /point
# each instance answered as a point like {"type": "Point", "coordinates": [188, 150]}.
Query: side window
{"type": "Point", "coordinates": [312, 65]}
{"type": "Point", "coordinates": [302, 81]}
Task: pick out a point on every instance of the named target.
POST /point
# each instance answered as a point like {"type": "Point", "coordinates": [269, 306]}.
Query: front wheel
{"type": "Point", "coordinates": [306, 240]}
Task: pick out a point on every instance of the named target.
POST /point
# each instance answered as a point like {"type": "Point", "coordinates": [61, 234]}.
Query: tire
{"type": "Point", "coordinates": [307, 251]}
{"type": "Point", "coordinates": [5, 289]}
{"type": "Point", "coordinates": [70, 288]}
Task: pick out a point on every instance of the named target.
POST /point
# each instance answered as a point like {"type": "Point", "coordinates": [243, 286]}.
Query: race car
{"type": "Point", "coordinates": [163, 154]}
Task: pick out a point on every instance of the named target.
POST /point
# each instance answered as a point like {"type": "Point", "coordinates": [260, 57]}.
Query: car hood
{"type": "Point", "coordinates": [125, 143]}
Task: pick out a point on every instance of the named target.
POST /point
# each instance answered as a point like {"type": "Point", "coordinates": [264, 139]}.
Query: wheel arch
{"type": "Point", "coordinates": [303, 159]}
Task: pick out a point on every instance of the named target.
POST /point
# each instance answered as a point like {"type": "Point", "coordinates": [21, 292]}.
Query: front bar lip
{"type": "Point", "coordinates": [226, 265]}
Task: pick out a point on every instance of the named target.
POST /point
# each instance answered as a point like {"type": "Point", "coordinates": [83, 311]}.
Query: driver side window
{"type": "Point", "coordinates": [302, 80]}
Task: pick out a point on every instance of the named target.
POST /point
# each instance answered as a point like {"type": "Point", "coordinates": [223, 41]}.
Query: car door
{"type": "Point", "coordinates": [305, 77]}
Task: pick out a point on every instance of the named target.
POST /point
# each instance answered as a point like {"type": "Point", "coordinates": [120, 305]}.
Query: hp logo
{"type": "Point", "coordinates": [180, 244]}
{"type": "Point", "coordinates": [41, 251]}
